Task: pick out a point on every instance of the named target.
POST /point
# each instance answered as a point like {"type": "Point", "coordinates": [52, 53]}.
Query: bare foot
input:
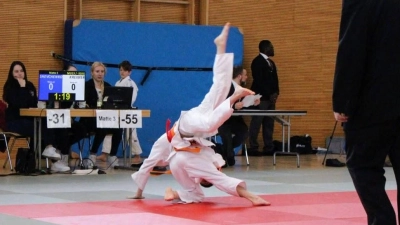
{"type": "Point", "coordinates": [102, 157]}
{"type": "Point", "coordinates": [138, 195]}
{"type": "Point", "coordinates": [255, 199]}
{"type": "Point", "coordinates": [220, 41]}
{"type": "Point", "coordinates": [136, 160]}
{"type": "Point", "coordinates": [169, 194]}
{"type": "Point", "coordinates": [258, 201]}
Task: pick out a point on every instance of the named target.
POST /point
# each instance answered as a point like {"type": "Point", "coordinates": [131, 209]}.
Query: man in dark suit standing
{"type": "Point", "coordinates": [265, 82]}
{"type": "Point", "coordinates": [366, 99]}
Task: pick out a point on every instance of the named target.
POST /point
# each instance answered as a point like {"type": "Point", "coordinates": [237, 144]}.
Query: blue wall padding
{"type": "Point", "coordinates": [165, 93]}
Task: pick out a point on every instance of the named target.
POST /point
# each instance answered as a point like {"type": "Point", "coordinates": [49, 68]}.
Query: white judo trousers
{"type": "Point", "coordinates": [222, 71]}
{"type": "Point", "coordinates": [203, 121]}
{"type": "Point", "coordinates": [158, 157]}
{"type": "Point", "coordinates": [189, 168]}
{"type": "Point", "coordinates": [130, 134]}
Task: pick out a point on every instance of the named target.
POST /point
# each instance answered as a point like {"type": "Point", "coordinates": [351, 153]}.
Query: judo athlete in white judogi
{"type": "Point", "coordinates": [158, 157]}
{"type": "Point", "coordinates": [162, 147]}
{"type": "Point", "coordinates": [125, 70]}
{"type": "Point", "coordinates": [192, 159]}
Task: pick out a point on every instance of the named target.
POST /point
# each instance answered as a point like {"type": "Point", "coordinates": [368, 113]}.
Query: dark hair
{"type": "Point", "coordinates": [237, 70]}
{"type": "Point", "coordinates": [11, 82]}
{"type": "Point", "coordinates": [264, 45]}
{"type": "Point", "coordinates": [67, 66]}
{"type": "Point", "coordinates": [206, 184]}
{"type": "Point", "coordinates": [125, 65]}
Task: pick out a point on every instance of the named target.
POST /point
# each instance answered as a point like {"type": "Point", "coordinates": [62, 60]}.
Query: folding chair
{"type": "Point", "coordinates": [10, 136]}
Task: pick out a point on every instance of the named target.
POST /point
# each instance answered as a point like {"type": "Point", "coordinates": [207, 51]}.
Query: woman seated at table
{"type": "Point", "coordinates": [19, 93]}
{"type": "Point", "coordinates": [59, 140]}
{"type": "Point", "coordinates": [94, 89]}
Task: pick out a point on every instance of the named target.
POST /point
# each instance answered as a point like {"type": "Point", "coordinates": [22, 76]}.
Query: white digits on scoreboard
{"type": "Point", "coordinates": [50, 86]}
{"type": "Point", "coordinates": [58, 118]}
{"type": "Point", "coordinates": [130, 118]}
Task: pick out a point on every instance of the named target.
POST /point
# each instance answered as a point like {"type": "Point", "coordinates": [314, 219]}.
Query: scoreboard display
{"type": "Point", "coordinates": [61, 85]}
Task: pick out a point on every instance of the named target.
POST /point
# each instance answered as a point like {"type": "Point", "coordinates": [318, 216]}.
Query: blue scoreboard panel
{"type": "Point", "coordinates": [61, 85]}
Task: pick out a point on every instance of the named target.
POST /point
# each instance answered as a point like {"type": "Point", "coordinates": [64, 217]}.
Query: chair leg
{"type": "Point", "coordinates": [81, 145]}
{"type": "Point", "coordinates": [8, 154]}
{"type": "Point", "coordinates": [247, 156]}
{"type": "Point", "coordinates": [9, 149]}
{"type": "Point", "coordinates": [9, 158]}
{"type": "Point", "coordinates": [90, 144]}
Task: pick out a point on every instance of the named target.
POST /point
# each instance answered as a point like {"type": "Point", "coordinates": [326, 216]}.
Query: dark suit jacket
{"type": "Point", "coordinates": [265, 78]}
{"type": "Point", "coordinates": [367, 78]}
{"type": "Point", "coordinates": [91, 93]}
{"type": "Point", "coordinates": [233, 119]}
{"type": "Point", "coordinates": [91, 100]}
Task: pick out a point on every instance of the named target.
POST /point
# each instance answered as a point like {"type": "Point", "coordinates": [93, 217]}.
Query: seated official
{"type": "Point", "coordinates": [19, 93]}
{"type": "Point", "coordinates": [234, 131]}
{"type": "Point", "coordinates": [58, 141]}
{"type": "Point", "coordinates": [94, 90]}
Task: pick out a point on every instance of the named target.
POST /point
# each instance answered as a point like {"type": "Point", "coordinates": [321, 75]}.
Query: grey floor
{"type": "Point", "coordinates": [261, 178]}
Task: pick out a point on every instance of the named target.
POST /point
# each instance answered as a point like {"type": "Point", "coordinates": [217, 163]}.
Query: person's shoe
{"type": "Point", "coordinates": [231, 161]}
{"type": "Point", "coordinates": [59, 166]}
{"type": "Point", "coordinates": [65, 160]}
{"type": "Point", "coordinates": [90, 163]}
{"type": "Point", "coordinates": [50, 152]}
{"type": "Point", "coordinates": [93, 158]}
{"type": "Point", "coordinates": [113, 161]}
{"type": "Point", "coordinates": [160, 168]}
{"type": "Point", "coordinates": [136, 165]}
{"type": "Point", "coordinates": [334, 163]}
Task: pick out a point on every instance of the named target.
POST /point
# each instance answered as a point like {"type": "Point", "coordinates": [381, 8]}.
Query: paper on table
{"type": "Point", "coordinates": [249, 100]}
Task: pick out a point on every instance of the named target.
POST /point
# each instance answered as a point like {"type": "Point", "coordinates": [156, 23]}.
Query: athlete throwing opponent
{"type": "Point", "coordinates": [192, 160]}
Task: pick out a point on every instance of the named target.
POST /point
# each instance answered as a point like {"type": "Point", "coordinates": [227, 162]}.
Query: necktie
{"type": "Point", "coordinates": [270, 64]}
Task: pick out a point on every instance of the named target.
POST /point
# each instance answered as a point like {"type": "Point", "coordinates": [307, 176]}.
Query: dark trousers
{"type": "Point", "coordinates": [101, 134]}
{"type": "Point", "coordinates": [63, 138]}
{"type": "Point", "coordinates": [238, 128]}
{"type": "Point", "coordinates": [23, 126]}
{"type": "Point", "coordinates": [366, 150]}
{"type": "Point", "coordinates": [267, 128]}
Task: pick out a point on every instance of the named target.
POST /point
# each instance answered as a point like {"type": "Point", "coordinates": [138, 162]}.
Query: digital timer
{"type": "Point", "coordinates": [63, 97]}
{"type": "Point", "coordinates": [60, 85]}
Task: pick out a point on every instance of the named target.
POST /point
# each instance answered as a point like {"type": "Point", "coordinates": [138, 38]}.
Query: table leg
{"type": "Point", "coordinates": [126, 137]}
{"type": "Point", "coordinates": [40, 143]}
{"type": "Point", "coordinates": [286, 151]}
{"type": "Point", "coordinates": [35, 137]}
